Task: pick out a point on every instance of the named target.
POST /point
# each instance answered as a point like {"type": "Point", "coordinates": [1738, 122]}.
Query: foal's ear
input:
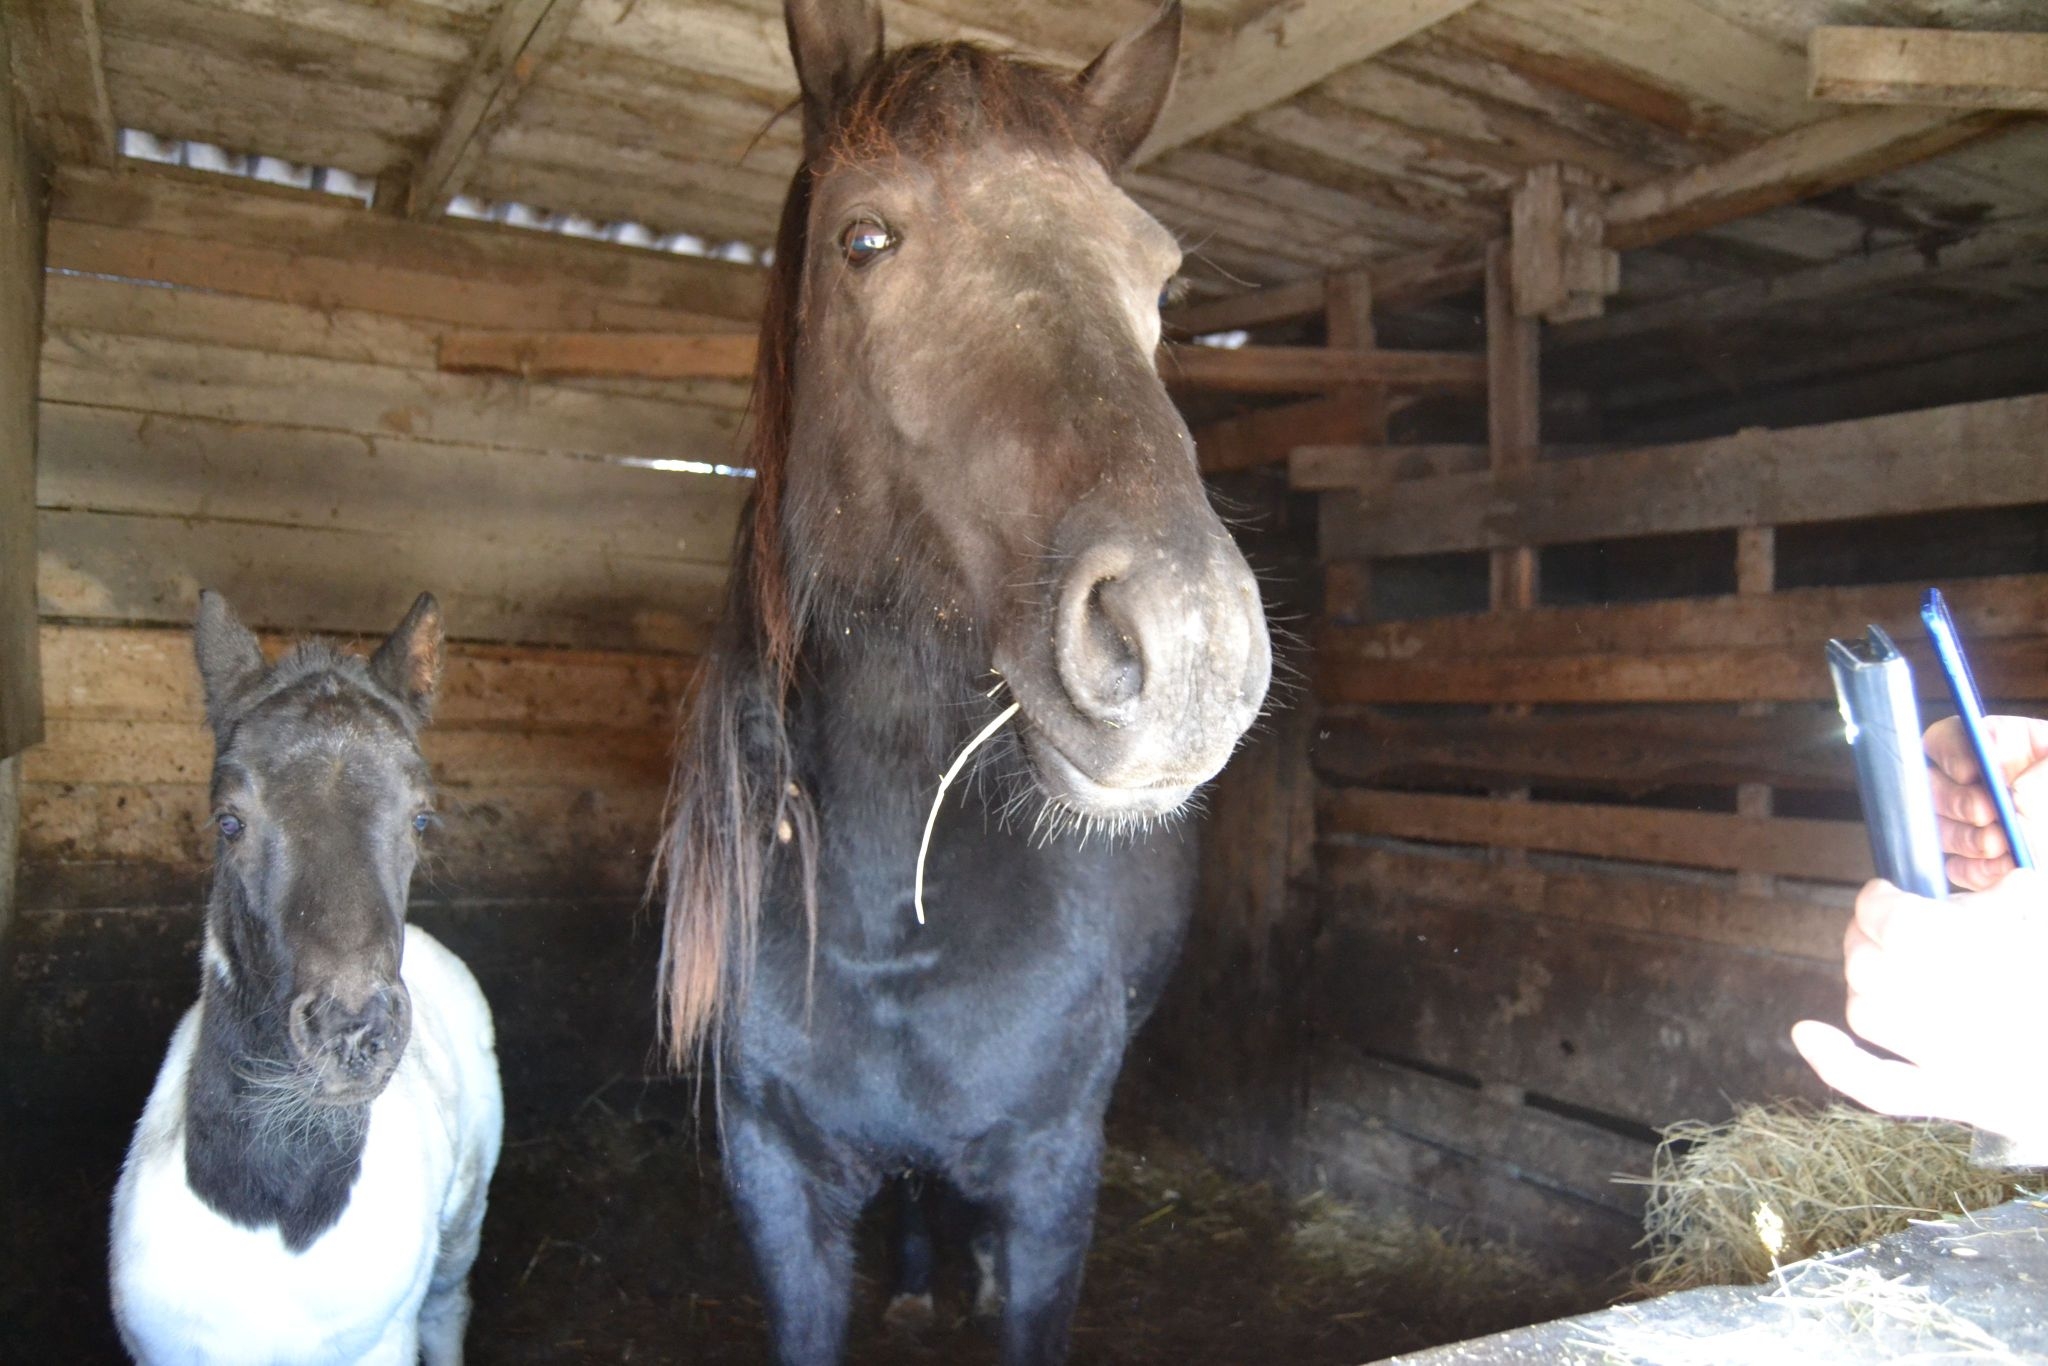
{"type": "Point", "coordinates": [409, 662]}
{"type": "Point", "coordinates": [835, 43]}
{"type": "Point", "coordinates": [229, 657]}
{"type": "Point", "coordinates": [1123, 90]}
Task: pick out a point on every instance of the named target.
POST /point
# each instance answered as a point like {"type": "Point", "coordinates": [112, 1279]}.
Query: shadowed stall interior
{"type": "Point", "coordinates": [1592, 365]}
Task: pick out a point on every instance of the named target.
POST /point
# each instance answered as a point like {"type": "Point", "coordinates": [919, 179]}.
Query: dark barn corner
{"type": "Point", "coordinates": [1567, 372]}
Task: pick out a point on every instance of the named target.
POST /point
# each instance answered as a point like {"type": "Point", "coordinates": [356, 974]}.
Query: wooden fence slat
{"type": "Point", "coordinates": [140, 570]}
{"type": "Point", "coordinates": [1791, 920]}
{"type": "Point", "coordinates": [522, 842]}
{"type": "Point", "coordinates": [1644, 1027]}
{"type": "Point", "coordinates": [1265, 435]}
{"type": "Point", "coordinates": [185, 212]}
{"type": "Point", "coordinates": [187, 379]}
{"type": "Point", "coordinates": [1870, 467]}
{"type": "Point", "coordinates": [1306, 369]}
{"type": "Point", "coordinates": [1833, 851]}
{"type": "Point", "coordinates": [1631, 750]}
{"type": "Point", "coordinates": [117, 673]}
{"type": "Point", "coordinates": [120, 460]}
{"type": "Point", "coordinates": [2007, 670]}
{"type": "Point", "coordinates": [82, 751]}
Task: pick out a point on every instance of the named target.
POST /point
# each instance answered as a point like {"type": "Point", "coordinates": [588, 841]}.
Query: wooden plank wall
{"type": "Point", "coordinates": [21, 292]}
{"type": "Point", "coordinates": [1549, 928]}
{"type": "Point", "coordinates": [21, 718]}
{"type": "Point", "coordinates": [239, 390]}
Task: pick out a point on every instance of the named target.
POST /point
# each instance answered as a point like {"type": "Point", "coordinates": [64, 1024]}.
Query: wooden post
{"type": "Point", "coordinates": [1513, 415]}
{"type": "Point", "coordinates": [1347, 320]}
{"type": "Point", "coordinates": [1513, 432]}
{"type": "Point", "coordinates": [1756, 572]}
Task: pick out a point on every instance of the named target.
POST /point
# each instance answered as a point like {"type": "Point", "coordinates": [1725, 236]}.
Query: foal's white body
{"type": "Point", "coordinates": [388, 1282]}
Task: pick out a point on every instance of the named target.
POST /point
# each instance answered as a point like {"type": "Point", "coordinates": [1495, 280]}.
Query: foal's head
{"type": "Point", "coordinates": [320, 797]}
{"type": "Point", "coordinates": [964, 421]}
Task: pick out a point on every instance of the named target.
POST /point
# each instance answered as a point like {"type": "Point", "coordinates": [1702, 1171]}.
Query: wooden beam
{"type": "Point", "coordinates": [1957, 69]}
{"type": "Point", "coordinates": [1368, 469]}
{"type": "Point", "coordinates": [520, 39]}
{"type": "Point", "coordinates": [1871, 467]}
{"type": "Point", "coordinates": [1561, 269]}
{"type": "Point", "coordinates": [1788, 168]}
{"type": "Point", "coordinates": [1628, 751]}
{"type": "Point", "coordinates": [2009, 607]}
{"type": "Point", "coordinates": [1825, 851]}
{"type": "Point", "coordinates": [1348, 326]}
{"type": "Point", "coordinates": [1797, 921]}
{"type": "Point", "coordinates": [1275, 303]}
{"type": "Point", "coordinates": [649, 355]}
{"type": "Point", "coordinates": [1514, 410]}
{"type": "Point", "coordinates": [1900, 267]}
{"type": "Point", "coordinates": [1754, 648]}
{"type": "Point", "coordinates": [1265, 435]}
{"type": "Point", "coordinates": [1310, 369]}
{"type": "Point", "coordinates": [238, 237]}
{"type": "Point", "coordinates": [1568, 998]}
{"type": "Point", "coordinates": [62, 78]}
{"type": "Point", "coordinates": [21, 335]}
{"type": "Point", "coordinates": [1282, 51]}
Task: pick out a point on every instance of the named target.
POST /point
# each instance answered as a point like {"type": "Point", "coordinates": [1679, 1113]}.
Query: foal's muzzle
{"type": "Point", "coordinates": [352, 1040]}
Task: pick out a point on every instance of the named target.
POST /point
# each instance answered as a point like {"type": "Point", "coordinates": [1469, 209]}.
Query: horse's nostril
{"type": "Point", "coordinates": [1100, 660]}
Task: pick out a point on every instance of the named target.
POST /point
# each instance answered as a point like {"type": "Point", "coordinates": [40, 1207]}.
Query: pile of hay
{"type": "Point", "coordinates": [1779, 1183]}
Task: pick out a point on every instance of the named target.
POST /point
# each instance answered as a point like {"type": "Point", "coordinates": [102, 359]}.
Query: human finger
{"type": "Point", "coordinates": [1976, 874]}
{"type": "Point", "coordinates": [1887, 1086]}
{"type": "Point", "coordinates": [2016, 743]}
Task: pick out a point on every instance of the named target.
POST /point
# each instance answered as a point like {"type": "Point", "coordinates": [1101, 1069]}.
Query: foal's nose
{"type": "Point", "coordinates": [355, 1036]}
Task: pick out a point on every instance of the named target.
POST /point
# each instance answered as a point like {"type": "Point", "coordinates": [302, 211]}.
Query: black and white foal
{"type": "Point", "coordinates": [307, 1182]}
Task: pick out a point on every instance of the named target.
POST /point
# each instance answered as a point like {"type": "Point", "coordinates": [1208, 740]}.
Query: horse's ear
{"type": "Point", "coordinates": [835, 44]}
{"type": "Point", "coordinates": [229, 657]}
{"type": "Point", "coordinates": [409, 663]}
{"type": "Point", "coordinates": [1123, 90]}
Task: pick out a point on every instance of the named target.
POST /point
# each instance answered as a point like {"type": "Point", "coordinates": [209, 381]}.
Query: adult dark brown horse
{"type": "Point", "coordinates": [970, 477]}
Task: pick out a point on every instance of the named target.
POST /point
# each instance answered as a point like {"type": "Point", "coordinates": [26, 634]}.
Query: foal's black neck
{"type": "Point", "coordinates": [260, 1156]}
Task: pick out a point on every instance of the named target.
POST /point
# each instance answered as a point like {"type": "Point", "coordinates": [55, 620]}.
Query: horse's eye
{"type": "Point", "coordinates": [421, 822]}
{"type": "Point", "coordinates": [865, 242]}
{"type": "Point", "coordinates": [1173, 291]}
{"type": "Point", "coordinates": [230, 825]}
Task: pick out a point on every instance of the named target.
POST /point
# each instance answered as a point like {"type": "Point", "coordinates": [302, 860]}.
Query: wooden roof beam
{"type": "Point", "coordinates": [1783, 170]}
{"type": "Point", "coordinates": [1289, 47]}
{"type": "Point", "coordinates": [520, 39]}
{"type": "Point", "coordinates": [62, 78]}
{"type": "Point", "coordinates": [1786, 169]}
{"type": "Point", "coordinates": [1961, 70]}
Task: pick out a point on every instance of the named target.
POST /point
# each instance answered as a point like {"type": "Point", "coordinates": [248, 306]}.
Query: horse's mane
{"type": "Point", "coordinates": [734, 797]}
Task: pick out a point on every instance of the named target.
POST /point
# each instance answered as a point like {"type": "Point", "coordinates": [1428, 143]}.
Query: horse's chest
{"type": "Point", "coordinates": [934, 1044]}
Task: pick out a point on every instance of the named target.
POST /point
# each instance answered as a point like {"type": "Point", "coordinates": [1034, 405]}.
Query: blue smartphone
{"type": "Point", "coordinates": [1948, 650]}
{"type": "Point", "coordinates": [1882, 719]}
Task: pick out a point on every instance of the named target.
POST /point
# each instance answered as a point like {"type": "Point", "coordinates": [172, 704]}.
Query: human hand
{"type": "Point", "coordinates": [1954, 989]}
{"type": "Point", "coordinates": [1970, 834]}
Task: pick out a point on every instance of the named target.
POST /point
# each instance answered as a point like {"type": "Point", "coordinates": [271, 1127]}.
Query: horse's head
{"type": "Point", "coordinates": [320, 797]}
{"type": "Point", "coordinates": [977, 431]}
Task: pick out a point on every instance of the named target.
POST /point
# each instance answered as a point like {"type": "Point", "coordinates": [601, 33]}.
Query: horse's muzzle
{"type": "Point", "coordinates": [1159, 660]}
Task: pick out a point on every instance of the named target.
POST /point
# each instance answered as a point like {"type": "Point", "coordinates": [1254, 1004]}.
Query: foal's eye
{"type": "Point", "coordinates": [421, 822]}
{"type": "Point", "coordinates": [1173, 291]}
{"type": "Point", "coordinates": [230, 825]}
{"type": "Point", "coordinates": [865, 241]}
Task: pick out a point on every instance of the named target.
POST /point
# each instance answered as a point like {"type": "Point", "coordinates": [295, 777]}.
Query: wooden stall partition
{"type": "Point", "coordinates": [1688, 844]}
{"type": "Point", "coordinates": [240, 390]}
{"type": "Point", "coordinates": [21, 274]}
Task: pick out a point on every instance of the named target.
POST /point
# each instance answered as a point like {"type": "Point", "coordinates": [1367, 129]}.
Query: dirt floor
{"type": "Point", "coordinates": [610, 1240]}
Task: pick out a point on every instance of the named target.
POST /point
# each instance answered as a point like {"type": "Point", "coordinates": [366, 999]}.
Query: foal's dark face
{"type": "Point", "coordinates": [320, 797]}
{"type": "Point", "coordinates": [980, 429]}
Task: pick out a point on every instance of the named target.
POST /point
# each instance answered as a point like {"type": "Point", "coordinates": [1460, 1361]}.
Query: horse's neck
{"type": "Point", "coordinates": [881, 717]}
{"type": "Point", "coordinates": [255, 1154]}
